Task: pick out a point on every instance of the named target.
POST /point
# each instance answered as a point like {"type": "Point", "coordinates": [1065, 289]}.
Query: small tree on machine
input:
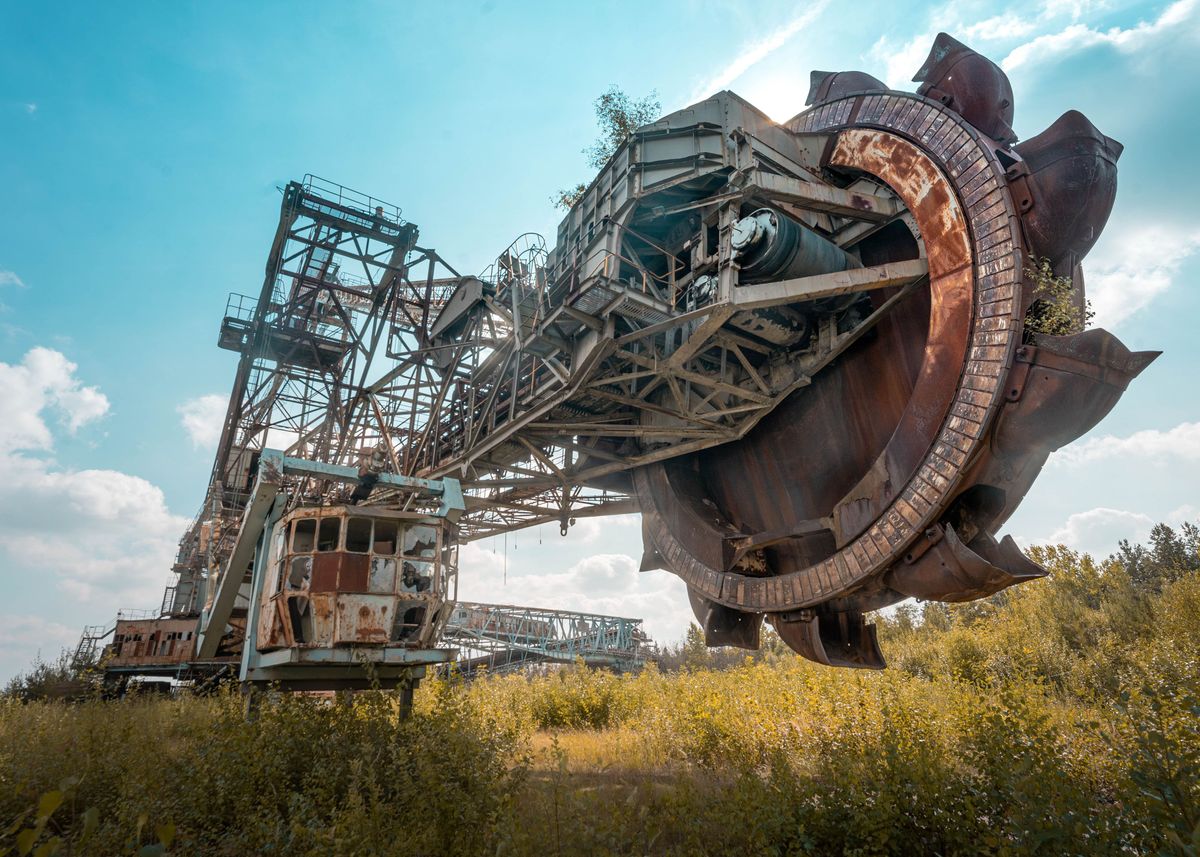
{"type": "Point", "coordinates": [1055, 312]}
{"type": "Point", "coordinates": [618, 116]}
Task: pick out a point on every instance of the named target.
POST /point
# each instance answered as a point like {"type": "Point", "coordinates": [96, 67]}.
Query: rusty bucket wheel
{"type": "Point", "coordinates": [953, 186]}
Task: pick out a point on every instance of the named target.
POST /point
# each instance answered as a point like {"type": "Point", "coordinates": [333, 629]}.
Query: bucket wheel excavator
{"type": "Point", "coordinates": [812, 355]}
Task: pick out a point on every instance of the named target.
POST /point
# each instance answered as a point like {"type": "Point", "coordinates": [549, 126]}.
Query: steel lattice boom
{"type": "Point", "coordinates": [499, 637]}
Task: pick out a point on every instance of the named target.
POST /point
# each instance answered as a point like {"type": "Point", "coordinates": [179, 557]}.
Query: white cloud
{"type": "Point", "coordinates": [752, 54]}
{"type": "Point", "coordinates": [609, 584]}
{"type": "Point", "coordinates": [30, 107]}
{"type": "Point", "coordinates": [25, 638]}
{"type": "Point", "coordinates": [591, 530]}
{"type": "Point", "coordinates": [1134, 266]}
{"type": "Point", "coordinates": [901, 63]}
{"type": "Point", "coordinates": [104, 537]}
{"type": "Point", "coordinates": [98, 536]}
{"type": "Point", "coordinates": [203, 418]}
{"type": "Point", "coordinates": [1179, 443]}
{"type": "Point", "coordinates": [998, 28]}
{"type": "Point", "coordinates": [9, 278]}
{"type": "Point", "coordinates": [1097, 531]}
{"type": "Point", "coordinates": [1185, 514]}
{"type": "Point", "coordinates": [1075, 8]}
{"type": "Point", "coordinates": [1077, 37]}
{"type": "Point", "coordinates": [44, 380]}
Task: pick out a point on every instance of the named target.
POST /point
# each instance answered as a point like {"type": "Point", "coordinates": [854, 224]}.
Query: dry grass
{"type": "Point", "coordinates": [1065, 719]}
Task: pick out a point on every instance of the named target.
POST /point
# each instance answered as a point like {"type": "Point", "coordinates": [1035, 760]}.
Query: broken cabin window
{"type": "Point", "coordinates": [300, 573]}
{"type": "Point", "coordinates": [383, 575]}
{"type": "Point", "coordinates": [358, 535]}
{"type": "Point", "coordinates": [385, 538]}
{"type": "Point", "coordinates": [420, 541]}
{"type": "Point", "coordinates": [416, 576]}
{"type": "Point", "coordinates": [300, 617]}
{"type": "Point", "coordinates": [327, 539]}
{"type": "Point", "coordinates": [305, 536]}
{"type": "Point", "coordinates": [410, 616]}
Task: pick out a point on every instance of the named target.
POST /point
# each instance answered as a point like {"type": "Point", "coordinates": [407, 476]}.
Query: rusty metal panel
{"type": "Point", "coordinates": [325, 571]}
{"type": "Point", "coordinates": [363, 618]}
{"type": "Point", "coordinates": [353, 573]}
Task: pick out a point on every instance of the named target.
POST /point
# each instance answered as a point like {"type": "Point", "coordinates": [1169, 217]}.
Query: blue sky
{"type": "Point", "coordinates": [141, 146]}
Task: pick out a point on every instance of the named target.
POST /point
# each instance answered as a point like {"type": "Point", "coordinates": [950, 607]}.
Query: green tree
{"type": "Point", "coordinates": [617, 116]}
{"type": "Point", "coordinates": [1169, 556]}
{"type": "Point", "coordinates": [1054, 313]}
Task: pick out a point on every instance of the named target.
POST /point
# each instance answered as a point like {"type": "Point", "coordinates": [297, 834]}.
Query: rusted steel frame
{"type": "Point", "coordinates": [527, 467]}
{"type": "Point", "coordinates": [676, 262]}
{"type": "Point", "coordinates": [726, 337]}
{"type": "Point", "coordinates": [810, 366]}
{"type": "Point", "coordinates": [677, 394]}
{"type": "Point", "coordinates": [504, 314]}
{"type": "Point", "coordinates": [487, 408]}
{"type": "Point", "coordinates": [493, 438]}
{"type": "Point", "coordinates": [655, 383]}
{"type": "Point", "coordinates": [387, 436]}
{"type": "Point", "coordinates": [587, 451]}
{"type": "Point", "coordinates": [362, 256]}
{"type": "Point", "coordinates": [679, 413]}
{"type": "Point", "coordinates": [386, 379]}
{"type": "Point", "coordinates": [433, 417]}
{"type": "Point", "coordinates": [700, 337]}
{"type": "Point", "coordinates": [518, 503]}
{"type": "Point", "coordinates": [222, 459]}
{"type": "Point", "coordinates": [622, 357]}
{"type": "Point", "coordinates": [583, 317]}
{"type": "Point", "coordinates": [648, 278]}
{"type": "Point", "coordinates": [734, 410]}
{"type": "Point", "coordinates": [662, 371]}
{"type": "Point", "coordinates": [627, 430]}
{"type": "Point", "coordinates": [825, 198]}
{"type": "Point", "coordinates": [704, 401]}
{"type": "Point", "coordinates": [539, 456]}
{"type": "Point", "coordinates": [612, 380]}
{"type": "Point", "coordinates": [673, 323]}
{"type": "Point", "coordinates": [741, 358]}
{"type": "Point", "coordinates": [474, 530]}
{"type": "Point", "coordinates": [360, 396]}
{"type": "Point", "coordinates": [428, 299]}
{"type": "Point", "coordinates": [829, 285]}
{"type": "Point", "coordinates": [720, 199]}
{"type": "Point", "coordinates": [542, 483]}
{"type": "Point", "coordinates": [259, 408]}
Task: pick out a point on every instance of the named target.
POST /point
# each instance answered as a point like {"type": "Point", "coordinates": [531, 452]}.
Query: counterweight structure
{"type": "Point", "coordinates": [806, 353]}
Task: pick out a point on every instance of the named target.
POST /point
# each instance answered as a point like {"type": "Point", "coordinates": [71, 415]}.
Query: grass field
{"type": "Point", "coordinates": [1063, 717]}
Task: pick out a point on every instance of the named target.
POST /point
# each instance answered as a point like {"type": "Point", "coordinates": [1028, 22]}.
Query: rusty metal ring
{"type": "Point", "coordinates": [967, 162]}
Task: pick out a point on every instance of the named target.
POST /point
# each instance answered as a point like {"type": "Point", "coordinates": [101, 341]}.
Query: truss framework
{"type": "Point", "coordinates": [543, 381]}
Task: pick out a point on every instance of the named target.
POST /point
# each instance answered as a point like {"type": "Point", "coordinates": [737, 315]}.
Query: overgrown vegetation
{"type": "Point", "coordinates": [1055, 312]}
{"type": "Point", "coordinates": [1058, 717]}
{"type": "Point", "coordinates": [44, 680]}
{"type": "Point", "coordinates": [617, 116]}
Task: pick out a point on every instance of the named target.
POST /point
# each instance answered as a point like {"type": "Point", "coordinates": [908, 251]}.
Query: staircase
{"type": "Point", "coordinates": [90, 645]}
